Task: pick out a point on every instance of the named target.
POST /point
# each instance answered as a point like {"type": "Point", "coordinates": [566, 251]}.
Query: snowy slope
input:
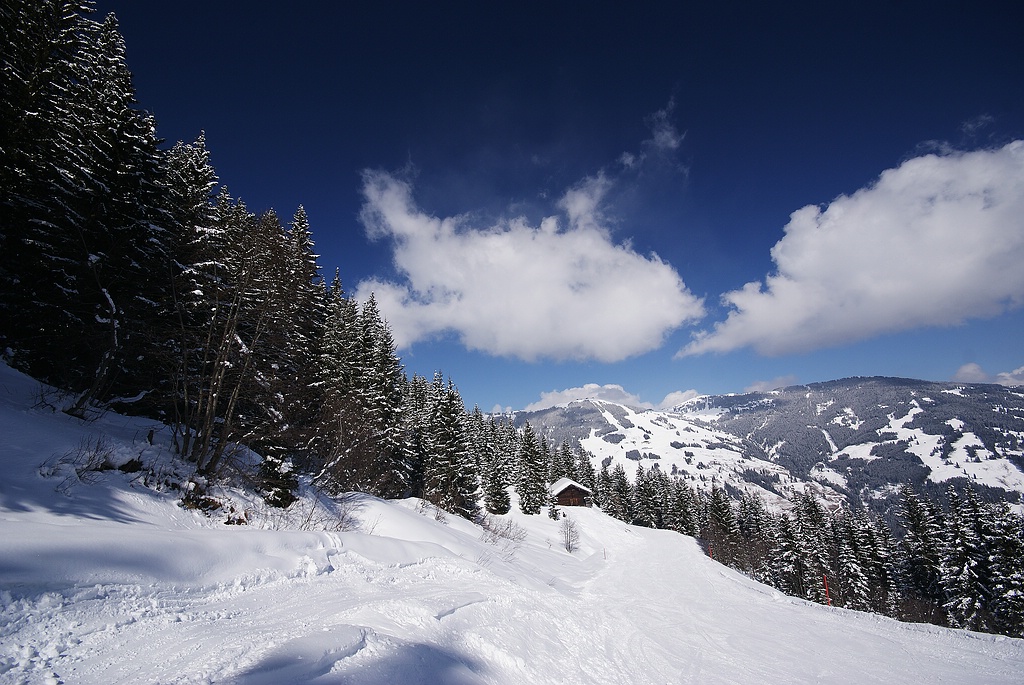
{"type": "Point", "coordinates": [677, 444]}
{"type": "Point", "coordinates": [865, 436]}
{"type": "Point", "coordinates": [111, 582]}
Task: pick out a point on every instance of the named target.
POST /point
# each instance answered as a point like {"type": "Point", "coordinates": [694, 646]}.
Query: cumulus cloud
{"type": "Point", "coordinates": [609, 393]}
{"type": "Point", "coordinates": [773, 384]}
{"type": "Point", "coordinates": [555, 290]}
{"type": "Point", "coordinates": [590, 391]}
{"type": "Point", "coordinates": [934, 242]}
{"type": "Point", "coordinates": [973, 373]}
{"type": "Point", "coordinates": [677, 397]}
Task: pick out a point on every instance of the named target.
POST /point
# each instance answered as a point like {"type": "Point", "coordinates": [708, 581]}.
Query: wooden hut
{"type": "Point", "coordinates": [569, 493]}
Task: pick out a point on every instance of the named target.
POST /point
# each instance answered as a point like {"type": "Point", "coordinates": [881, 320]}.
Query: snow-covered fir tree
{"type": "Point", "coordinates": [533, 469]}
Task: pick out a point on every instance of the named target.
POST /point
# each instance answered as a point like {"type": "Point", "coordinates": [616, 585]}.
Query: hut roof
{"type": "Point", "coordinates": [563, 483]}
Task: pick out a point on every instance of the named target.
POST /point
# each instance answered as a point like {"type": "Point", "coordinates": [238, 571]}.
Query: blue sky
{"type": "Point", "coordinates": [667, 198]}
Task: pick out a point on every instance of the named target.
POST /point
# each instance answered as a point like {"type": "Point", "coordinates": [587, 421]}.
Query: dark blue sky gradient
{"type": "Point", "coordinates": [505, 105]}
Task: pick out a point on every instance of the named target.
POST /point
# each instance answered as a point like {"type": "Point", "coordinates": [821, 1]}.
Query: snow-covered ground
{"type": "Point", "coordinates": [110, 582]}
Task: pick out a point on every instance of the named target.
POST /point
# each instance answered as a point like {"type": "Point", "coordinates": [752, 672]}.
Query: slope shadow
{"type": "Point", "coordinates": [98, 501]}
{"type": "Point", "coordinates": [307, 661]}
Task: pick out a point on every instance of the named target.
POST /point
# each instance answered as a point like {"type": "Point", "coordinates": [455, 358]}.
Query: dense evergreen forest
{"type": "Point", "coordinates": [132, 279]}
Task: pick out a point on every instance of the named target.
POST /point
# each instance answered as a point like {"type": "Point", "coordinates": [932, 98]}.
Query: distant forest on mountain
{"type": "Point", "coordinates": [132, 280]}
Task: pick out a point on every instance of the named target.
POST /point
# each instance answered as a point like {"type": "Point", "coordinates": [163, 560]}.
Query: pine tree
{"type": "Point", "coordinates": [417, 407]}
{"type": "Point", "coordinates": [584, 470]}
{"type": "Point", "coordinates": [722, 532]}
{"type": "Point", "coordinates": [1008, 572]}
{"type": "Point", "coordinates": [562, 463]}
{"type": "Point", "coordinates": [876, 554]}
{"type": "Point", "coordinates": [496, 498]}
{"type": "Point", "coordinates": [645, 505]}
{"type": "Point", "coordinates": [85, 259]}
{"type": "Point", "coordinates": [480, 440]}
{"type": "Point", "coordinates": [277, 481]}
{"type": "Point", "coordinates": [920, 554]}
{"type": "Point", "coordinates": [341, 442]}
{"type": "Point", "coordinates": [965, 565]}
{"type": "Point", "coordinates": [383, 390]}
{"type": "Point", "coordinates": [124, 239]}
{"type": "Point", "coordinates": [813, 536]}
{"type": "Point", "coordinates": [532, 485]}
{"type": "Point", "coordinates": [618, 498]}
{"type": "Point", "coordinates": [851, 585]}
{"type": "Point", "coordinates": [787, 567]}
{"type": "Point", "coordinates": [602, 489]}
{"type": "Point", "coordinates": [450, 479]}
{"type": "Point", "coordinates": [755, 525]}
{"type": "Point", "coordinates": [682, 509]}
{"type": "Point", "coordinates": [42, 88]}
{"type": "Point", "coordinates": [190, 180]}
{"type": "Point", "coordinates": [306, 316]}
{"type": "Point", "coordinates": [553, 511]}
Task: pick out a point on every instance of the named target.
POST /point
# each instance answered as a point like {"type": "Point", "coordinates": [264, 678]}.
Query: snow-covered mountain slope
{"type": "Point", "coordinates": [855, 439]}
{"type": "Point", "coordinates": [111, 582]}
{"type": "Point", "coordinates": [864, 435]}
{"type": "Point", "coordinates": [678, 444]}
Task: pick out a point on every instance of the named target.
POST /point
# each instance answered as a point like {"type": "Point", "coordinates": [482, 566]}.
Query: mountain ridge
{"type": "Point", "coordinates": [852, 439]}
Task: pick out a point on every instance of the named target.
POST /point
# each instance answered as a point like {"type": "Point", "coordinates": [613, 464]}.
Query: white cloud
{"type": "Point", "coordinates": [934, 242]}
{"type": "Point", "coordinates": [773, 384]}
{"type": "Point", "coordinates": [973, 373]}
{"type": "Point", "coordinates": [665, 136]}
{"type": "Point", "coordinates": [590, 391]}
{"type": "Point", "coordinates": [677, 397]}
{"type": "Point", "coordinates": [518, 290]}
{"type": "Point", "coordinates": [661, 146]}
{"type": "Point", "coordinates": [609, 393]}
{"type": "Point", "coordinates": [1015, 377]}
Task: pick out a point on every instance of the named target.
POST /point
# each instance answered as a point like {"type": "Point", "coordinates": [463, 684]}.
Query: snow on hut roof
{"type": "Point", "coordinates": [563, 483]}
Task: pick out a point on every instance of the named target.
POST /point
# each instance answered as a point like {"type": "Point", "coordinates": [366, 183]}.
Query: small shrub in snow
{"type": "Point", "coordinates": [501, 529]}
{"type": "Point", "coordinates": [505, 534]}
{"type": "Point", "coordinates": [425, 508]}
{"type": "Point", "coordinates": [82, 464]}
{"type": "Point", "coordinates": [570, 535]}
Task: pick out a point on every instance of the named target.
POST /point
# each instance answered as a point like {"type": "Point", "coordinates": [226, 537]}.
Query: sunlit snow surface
{"type": "Point", "coordinates": [112, 583]}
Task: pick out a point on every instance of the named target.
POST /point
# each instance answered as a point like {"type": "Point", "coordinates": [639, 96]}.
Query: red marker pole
{"type": "Point", "coordinates": [827, 598]}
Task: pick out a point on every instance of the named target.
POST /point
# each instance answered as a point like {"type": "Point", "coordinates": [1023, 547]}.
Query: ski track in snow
{"type": "Point", "coordinates": [655, 610]}
{"type": "Point", "coordinates": [111, 584]}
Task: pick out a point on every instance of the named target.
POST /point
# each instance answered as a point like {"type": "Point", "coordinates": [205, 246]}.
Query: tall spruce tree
{"type": "Point", "coordinates": [617, 499]}
{"type": "Point", "coordinates": [43, 87]}
{"type": "Point", "coordinates": [84, 263]}
{"type": "Point", "coordinates": [533, 470]}
{"type": "Point", "coordinates": [722, 532]}
{"type": "Point", "coordinates": [966, 563]}
{"type": "Point", "coordinates": [920, 555]}
{"type": "Point", "coordinates": [1008, 572]}
{"type": "Point", "coordinates": [851, 586]}
{"type": "Point", "coordinates": [813, 537]}
{"type": "Point", "coordinates": [450, 478]}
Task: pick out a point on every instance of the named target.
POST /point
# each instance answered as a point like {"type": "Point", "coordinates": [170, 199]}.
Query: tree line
{"type": "Point", "coordinates": [961, 565]}
{"type": "Point", "coordinates": [131, 278]}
